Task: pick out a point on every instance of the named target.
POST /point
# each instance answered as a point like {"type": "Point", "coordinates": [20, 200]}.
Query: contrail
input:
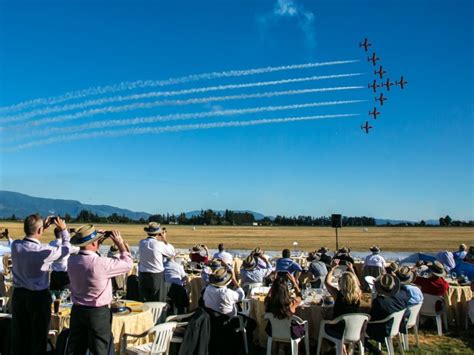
{"type": "Point", "coordinates": [175, 128]}
{"type": "Point", "coordinates": [147, 105]}
{"type": "Point", "coordinates": [100, 90]}
{"type": "Point", "coordinates": [97, 102]}
{"type": "Point", "coordinates": [174, 117]}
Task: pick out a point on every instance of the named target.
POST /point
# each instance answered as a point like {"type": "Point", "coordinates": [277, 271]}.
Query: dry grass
{"type": "Point", "coordinates": [308, 238]}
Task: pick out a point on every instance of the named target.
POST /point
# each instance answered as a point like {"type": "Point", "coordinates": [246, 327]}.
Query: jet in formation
{"type": "Point", "coordinates": [365, 44]}
{"type": "Point", "coordinates": [387, 84]}
{"type": "Point", "coordinates": [373, 59]}
{"type": "Point", "coordinates": [380, 72]}
{"type": "Point", "coordinates": [366, 127]}
{"type": "Point", "coordinates": [402, 82]}
{"type": "Point", "coordinates": [381, 99]}
{"type": "Point", "coordinates": [374, 113]}
{"type": "Point", "coordinates": [374, 86]}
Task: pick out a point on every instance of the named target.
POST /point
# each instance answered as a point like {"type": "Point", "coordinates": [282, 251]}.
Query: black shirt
{"type": "Point", "coordinates": [341, 307]}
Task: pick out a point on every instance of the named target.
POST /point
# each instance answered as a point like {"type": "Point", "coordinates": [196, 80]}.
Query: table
{"type": "Point", "coordinates": [314, 314]}
{"type": "Point", "coordinates": [457, 300]}
{"type": "Point", "coordinates": [136, 322]}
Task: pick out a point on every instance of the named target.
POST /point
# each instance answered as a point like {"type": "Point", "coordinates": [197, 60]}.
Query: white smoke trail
{"type": "Point", "coordinates": [172, 117]}
{"type": "Point", "coordinates": [100, 90]}
{"type": "Point", "coordinates": [147, 105]}
{"type": "Point", "coordinates": [175, 128]}
{"type": "Point", "coordinates": [97, 102]}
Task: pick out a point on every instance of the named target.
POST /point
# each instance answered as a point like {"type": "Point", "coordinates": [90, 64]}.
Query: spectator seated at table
{"type": "Point", "coordinates": [344, 255]}
{"type": "Point", "coordinates": [211, 267]}
{"type": "Point", "coordinates": [461, 253]}
{"type": "Point", "coordinates": [325, 257]}
{"type": "Point", "coordinates": [447, 259]}
{"type": "Point", "coordinates": [317, 268]}
{"type": "Point", "coordinates": [4, 250]}
{"type": "Point", "coordinates": [282, 302]}
{"type": "Point", "coordinates": [469, 258]}
{"type": "Point", "coordinates": [435, 284]}
{"type": "Point", "coordinates": [406, 277]}
{"type": "Point", "coordinates": [199, 254]}
{"type": "Point", "coordinates": [347, 297]}
{"type": "Point", "coordinates": [285, 263]}
{"type": "Point", "coordinates": [223, 255]}
{"type": "Point", "coordinates": [391, 268]}
{"type": "Point", "coordinates": [253, 272]}
{"type": "Point", "coordinates": [374, 264]}
{"type": "Point", "coordinates": [390, 299]}
{"type": "Point", "coordinates": [175, 275]}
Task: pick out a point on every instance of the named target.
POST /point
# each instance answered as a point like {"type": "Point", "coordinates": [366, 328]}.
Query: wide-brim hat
{"type": "Point", "coordinates": [196, 249]}
{"type": "Point", "coordinates": [374, 249]}
{"type": "Point", "coordinates": [405, 275]}
{"type": "Point", "coordinates": [344, 250]}
{"type": "Point", "coordinates": [387, 285]}
{"type": "Point", "coordinates": [214, 264]}
{"type": "Point", "coordinates": [85, 235]}
{"type": "Point", "coordinates": [257, 251]}
{"type": "Point", "coordinates": [153, 228]}
{"type": "Point", "coordinates": [437, 269]}
{"type": "Point", "coordinates": [220, 277]}
{"type": "Point", "coordinates": [249, 263]}
{"type": "Point", "coordinates": [323, 250]}
{"type": "Point", "coordinates": [393, 266]}
{"type": "Point", "coordinates": [313, 256]}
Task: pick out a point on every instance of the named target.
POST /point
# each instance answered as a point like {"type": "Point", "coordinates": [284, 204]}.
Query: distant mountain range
{"type": "Point", "coordinates": [21, 205]}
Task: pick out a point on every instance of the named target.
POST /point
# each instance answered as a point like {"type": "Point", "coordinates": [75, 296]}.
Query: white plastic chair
{"type": "Point", "coordinates": [354, 322]}
{"type": "Point", "coordinates": [394, 331]}
{"type": "Point", "coordinates": [412, 322]}
{"type": "Point", "coordinates": [370, 281]}
{"type": "Point", "coordinates": [246, 307]}
{"type": "Point", "coordinates": [261, 289]}
{"type": "Point", "coordinates": [180, 324]}
{"type": "Point", "coordinates": [428, 309]}
{"type": "Point", "coordinates": [157, 309]}
{"type": "Point", "coordinates": [281, 331]}
{"type": "Point", "coordinates": [161, 340]}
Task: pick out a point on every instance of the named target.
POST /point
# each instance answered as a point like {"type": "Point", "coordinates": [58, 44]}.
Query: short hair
{"type": "Point", "coordinates": [221, 247]}
{"type": "Point", "coordinates": [462, 247]}
{"type": "Point", "coordinates": [32, 223]}
{"type": "Point", "coordinates": [286, 253]}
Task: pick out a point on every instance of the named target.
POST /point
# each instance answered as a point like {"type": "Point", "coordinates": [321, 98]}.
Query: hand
{"type": "Point", "coordinates": [350, 266]}
{"type": "Point", "coordinates": [60, 223]}
{"type": "Point", "coordinates": [117, 238]}
{"type": "Point", "coordinates": [335, 262]}
{"type": "Point", "coordinates": [48, 221]}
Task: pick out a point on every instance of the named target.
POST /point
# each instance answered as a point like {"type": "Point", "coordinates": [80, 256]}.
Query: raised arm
{"type": "Point", "coordinates": [329, 279]}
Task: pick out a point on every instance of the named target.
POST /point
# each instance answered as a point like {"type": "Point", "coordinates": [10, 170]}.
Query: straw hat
{"type": "Point", "coordinates": [220, 277]}
{"type": "Point", "coordinates": [405, 275]}
{"type": "Point", "coordinates": [214, 264]}
{"type": "Point", "coordinates": [323, 250]}
{"type": "Point", "coordinates": [344, 250]}
{"type": "Point", "coordinates": [313, 256]}
{"type": "Point", "coordinates": [249, 263]}
{"type": "Point", "coordinates": [153, 228]}
{"type": "Point", "coordinates": [393, 266]}
{"type": "Point", "coordinates": [374, 249]}
{"type": "Point", "coordinates": [85, 235]}
{"type": "Point", "coordinates": [387, 285]}
{"type": "Point", "coordinates": [437, 269]}
{"type": "Point", "coordinates": [196, 249]}
{"type": "Point", "coordinates": [257, 251]}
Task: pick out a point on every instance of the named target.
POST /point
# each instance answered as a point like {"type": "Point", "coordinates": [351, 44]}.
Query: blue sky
{"type": "Point", "coordinates": [416, 163]}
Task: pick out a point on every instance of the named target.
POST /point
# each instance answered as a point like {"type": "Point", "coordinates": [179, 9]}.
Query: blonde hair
{"type": "Point", "coordinates": [349, 288]}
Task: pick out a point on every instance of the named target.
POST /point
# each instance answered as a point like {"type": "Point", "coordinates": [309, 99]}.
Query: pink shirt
{"type": "Point", "coordinates": [90, 276]}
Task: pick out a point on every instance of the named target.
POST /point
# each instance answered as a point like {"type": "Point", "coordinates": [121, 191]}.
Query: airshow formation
{"type": "Point", "coordinates": [91, 113]}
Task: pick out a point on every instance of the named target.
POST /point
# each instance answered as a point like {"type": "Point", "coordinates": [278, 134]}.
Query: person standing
{"type": "Point", "coordinates": [151, 251]}
{"type": "Point", "coordinates": [91, 290]}
{"type": "Point", "coordinates": [59, 277]}
{"type": "Point", "coordinates": [223, 255]}
{"type": "Point", "coordinates": [31, 300]}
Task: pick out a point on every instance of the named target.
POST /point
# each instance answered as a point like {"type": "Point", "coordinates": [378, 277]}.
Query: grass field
{"type": "Point", "coordinates": [308, 238]}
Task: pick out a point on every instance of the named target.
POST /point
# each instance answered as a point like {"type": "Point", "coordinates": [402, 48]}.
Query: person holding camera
{"type": "Point", "coordinates": [91, 290]}
{"type": "Point", "coordinates": [151, 250]}
{"type": "Point", "coordinates": [59, 277]}
{"type": "Point", "coordinates": [31, 300]}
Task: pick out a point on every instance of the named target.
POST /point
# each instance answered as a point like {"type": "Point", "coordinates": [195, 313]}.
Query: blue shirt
{"type": "Point", "coordinates": [174, 273]}
{"type": "Point", "coordinates": [416, 296]}
{"type": "Point", "coordinates": [459, 254]}
{"type": "Point", "coordinates": [255, 275]}
{"type": "Point", "coordinates": [287, 264]}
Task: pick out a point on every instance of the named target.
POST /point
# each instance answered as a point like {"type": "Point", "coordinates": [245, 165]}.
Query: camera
{"type": "Point", "coordinates": [4, 234]}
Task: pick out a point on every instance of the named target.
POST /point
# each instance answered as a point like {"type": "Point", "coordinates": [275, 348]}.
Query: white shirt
{"type": "Point", "coordinates": [224, 256]}
{"type": "Point", "coordinates": [223, 299]}
{"type": "Point", "coordinates": [5, 250]}
{"type": "Point", "coordinates": [375, 260]}
{"type": "Point", "coordinates": [174, 273]}
{"type": "Point", "coordinates": [151, 252]}
{"type": "Point", "coordinates": [60, 265]}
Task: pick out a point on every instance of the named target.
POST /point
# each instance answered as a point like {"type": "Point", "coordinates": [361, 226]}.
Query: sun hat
{"type": "Point", "coordinates": [153, 228]}
{"type": "Point", "coordinates": [196, 249]}
{"type": "Point", "coordinates": [437, 269]}
{"type": "Point", "coordinates": [344, 250]}
{"type": "Point", "coordinates": [220, 277]}
{"type": "Point", "coordinates": [323, 250]}
{"type": "Point", "coordinates": [249, 263]}
{"type": "Point", "coordinates": [405, 275]}
{"type": "Point", "coordinates": [374, 249]}
{"type": "Point", "coordinates": [393, 266]}
{"type": "Point", "coordinates": [257, 251]}
{"type": "Point", "coordinates": [85, 235]}
{"type": "Point", "coordinates": [214, 264]}
{"type": "Point", "coordinates": [387, 285]}
{"type": "Point", "coordinates": [313, 256]}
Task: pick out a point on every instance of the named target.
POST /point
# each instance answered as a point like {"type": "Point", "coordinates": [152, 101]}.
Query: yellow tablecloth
{"type": "Point", "coordinates": [136, 322]}
{"type": "Point", "coordinates": [457, 300]}
{"type": "Point", "coordinates": [194, 287]}
{"type": "Point", "coordinates": [313, 314]}
{"type": "Point", "coordinates": [237, 265]}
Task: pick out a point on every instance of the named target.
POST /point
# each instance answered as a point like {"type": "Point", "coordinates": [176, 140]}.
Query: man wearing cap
{"type": "Point", "coordinates": [59, 276]}
{"type": "Point", "coordinates": [151, 250]}
{"type": "Point", "coordinates": [252, 271]}
{"type": "Point", "coordinates": [434, 285]}
{"type": "Point", "coordinates": [91, 290]}
{"type": "Point", "coordinates": [406, 277]}
{"type": "Point", "coordinates": [31, 300]}
{"type": "Point", "coordinates": [390, 298]}
{"type": "Point", "coordinates": [220, 298]}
